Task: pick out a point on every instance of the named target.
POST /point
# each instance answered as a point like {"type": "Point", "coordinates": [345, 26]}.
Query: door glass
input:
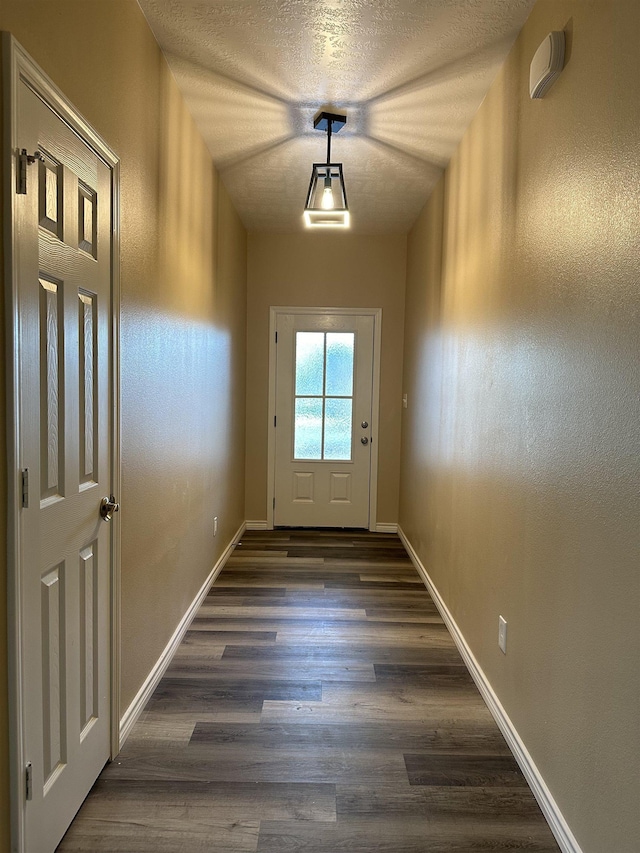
{"type": "Point", "coordinates": [309, 363]}
{"type": "Point", "coordinates": [337, 428]}
{"type": "Point", "coordinates": [308, 428]}
{"type": "Point", "coordinates": [340, 364]}
{"type": "Point", "coordinates": [323, 411]}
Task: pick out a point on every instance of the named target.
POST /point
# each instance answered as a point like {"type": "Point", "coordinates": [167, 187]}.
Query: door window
{"type": "Point", "coordinates": [323, 410]}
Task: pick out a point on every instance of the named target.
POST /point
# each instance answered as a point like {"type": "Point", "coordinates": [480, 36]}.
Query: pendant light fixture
{"type": "Point", "coordinates": [326, 205]}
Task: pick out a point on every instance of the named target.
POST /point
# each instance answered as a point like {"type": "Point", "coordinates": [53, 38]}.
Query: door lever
{"type": "Point", "coordinates": [107, 507]}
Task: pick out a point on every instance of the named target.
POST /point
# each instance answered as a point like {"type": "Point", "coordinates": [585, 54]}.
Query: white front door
{"type": "Point", "coordinates": [63, 262]}
{"type": "Point", "coordinates": [324, 392]}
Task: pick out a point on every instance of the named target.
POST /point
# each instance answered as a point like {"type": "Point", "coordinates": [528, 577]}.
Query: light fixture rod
{"type": "Point", "coordinates": [330, 124]}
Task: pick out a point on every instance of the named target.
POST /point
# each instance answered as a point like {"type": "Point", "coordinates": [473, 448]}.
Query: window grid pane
{"type": "Point", "coordinates": [337, 428]}
{"type": "Point", "coordinates": [308, 428]}
{"type": "Point", "coordinates": [310, 360]}
{"type": "Point", "coordinates": [339, 364]}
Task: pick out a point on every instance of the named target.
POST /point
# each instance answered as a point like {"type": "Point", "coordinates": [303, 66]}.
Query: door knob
{"type": "Point", "coordinates": [107, 507]}
{"type": "Point", "coordinates": [364, 440]}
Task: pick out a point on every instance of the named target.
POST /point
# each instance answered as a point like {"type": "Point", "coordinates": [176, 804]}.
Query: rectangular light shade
{"type": "Point", "coordinates": [326, 205]}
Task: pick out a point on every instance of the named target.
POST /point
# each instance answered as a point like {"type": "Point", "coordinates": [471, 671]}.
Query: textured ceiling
{"type": "Point", "coordinates": [409, 74]}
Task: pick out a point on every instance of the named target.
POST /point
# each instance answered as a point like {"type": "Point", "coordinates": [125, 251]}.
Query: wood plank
{"type": "Point", "coordinates": [294, 576]}
{"type": "Point", "coordinates": [275, 612]}
{"type": "Point", "coordinates": [216, 637]}
{"type": "Point", "coordinates": [221, 712]}
{"type": "Point", "coordinates": [217, 591]}
{"type": "Point", "coordinates": [358, 711]}
{"type": "Point", "coordinates": [320, 671]}
{"type": "Point", "coordinates": [188, 830]}
{"type": "Point", "coordinates": [438, 803]}
{"type": "Point", "coordinates": [362, 555]}
{"type": "Point", "coordinates": [179, 694]}
{"type": "Point", "coordinates": [481, 771]}
{"type": "Point", "coordinates": [404, 600]}
{"type": "Point", "coordinates": [441, 650]}
{"type": "Point", "coordinates": [461, 736]}
{"type": "Point", "coordinates": [417, 585]}
{"type": "Point", "coordinates": [237, 559]}
{"type": "Point", "coordinates": [389, 615]}
{"type": "Point", "coordinates": [388, 835]}
{"type": "Point", "coordinates": [425, 675]}
{"type": "Point", "coordinates": [264, 552]}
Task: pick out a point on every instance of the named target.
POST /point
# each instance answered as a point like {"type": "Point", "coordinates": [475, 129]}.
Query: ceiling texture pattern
{"type": "Point", "coordinates": [409, 74]}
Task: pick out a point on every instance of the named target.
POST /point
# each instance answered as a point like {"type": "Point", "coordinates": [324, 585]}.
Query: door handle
{"type": "Point", "coordinates": [107, 507]}
{"type": "Point", "coordinates": [364, 440]}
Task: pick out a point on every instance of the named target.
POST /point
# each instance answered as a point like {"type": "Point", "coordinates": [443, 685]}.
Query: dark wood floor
{"type": "Point", "coordinates": [317, 704]}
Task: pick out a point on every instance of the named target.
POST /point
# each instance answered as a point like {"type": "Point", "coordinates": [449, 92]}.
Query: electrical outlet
{"type": "Point", "coordinates": [215, 525]}
{"type": "Point", "coordinates": [502, 634]}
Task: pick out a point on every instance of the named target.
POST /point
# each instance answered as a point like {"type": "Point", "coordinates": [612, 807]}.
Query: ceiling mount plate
{"type": "Point", "coordinates": [321, 122]}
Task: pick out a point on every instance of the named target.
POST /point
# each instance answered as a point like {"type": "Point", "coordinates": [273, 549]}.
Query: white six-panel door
{"type": "Point", "coordinates": [63, 257]}
{"type": "Point", "coordinates": [324, 391]}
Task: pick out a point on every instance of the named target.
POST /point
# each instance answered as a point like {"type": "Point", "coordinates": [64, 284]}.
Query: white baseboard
{"type": "Point", "coordinates": [134, 710]}
{"type": "Point", "coordinates": [385, 527]}
{"type": "Point", "coordinates": [558, 825]}
{"type": "Point", "coordinates": [256, 525]}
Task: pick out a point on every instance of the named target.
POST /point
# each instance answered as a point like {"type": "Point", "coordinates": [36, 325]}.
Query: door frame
{"type": "Point", "coordinates": [274, 313]}
{"type": "Point", "coordinates": [19, 68]}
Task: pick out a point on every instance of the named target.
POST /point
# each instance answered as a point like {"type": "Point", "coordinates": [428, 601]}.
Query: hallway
{"type": "Point", "coordinates": [317, 703]}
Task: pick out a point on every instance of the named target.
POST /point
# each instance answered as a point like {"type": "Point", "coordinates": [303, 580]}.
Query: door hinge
{"type": "Point", "coordinates": [274, 503]}
{"type": "Point", "coordinates": [274, 420]}
{"type": "Point", "coordinates": [276, 337]}
{"type": "Point", "coordinates": [28, 780]}
{"type": "Point", "coordinates": [25, 488]}
{"type": "Point", "coordinates": [25, 160]}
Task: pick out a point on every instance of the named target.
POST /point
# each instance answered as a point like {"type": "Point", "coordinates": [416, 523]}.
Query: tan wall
{"type": "Point", "coordinates": [183, 320]}
{"type": "Point", "coordinates": [520, 444]}
{"type": "Point", "coordinates": [4, 686]}
{"type": "Point", "coordinates": [324, 270]}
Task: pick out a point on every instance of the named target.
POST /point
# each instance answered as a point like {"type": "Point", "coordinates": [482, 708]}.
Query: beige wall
{"type": "Point", "coordinates": [183, 321]}
{"type": "Point", "coordinates": [4, 687]}
{"type": "Point", "coordinates": [338, 270]}
{"type": "Point", "coordinates": [520, 444]}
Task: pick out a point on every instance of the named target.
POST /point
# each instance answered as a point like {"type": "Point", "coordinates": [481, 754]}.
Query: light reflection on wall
{"type": "Point", "coordinates": [177, 425]}
{"type": "Point", "coordinates": [567, 394]}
